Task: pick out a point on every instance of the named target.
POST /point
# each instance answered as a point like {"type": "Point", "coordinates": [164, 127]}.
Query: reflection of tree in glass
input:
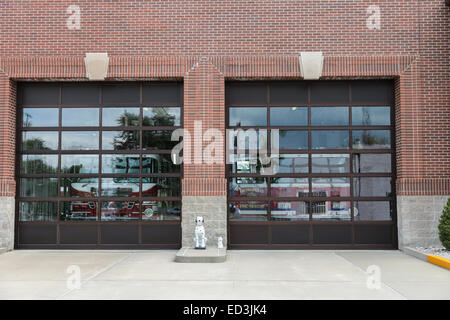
{"type": "Point", "coordinates": [160, 117]}
{"type": "Point", "coordinates": [34, 144]}
{"type": "Point", "coordinates": [37, 166]}
{"type": "Point", "coordinates": [73, 169]}
{"type": "Point", "coordinates": [157, 140]}
{"type": "Point", "coordinates": [369, 139]}
{"type": "Point", "coordinates": [128, 119]}
{"type": "Point", "coordinates": [127, 139]}
{"type": "Point", "coordinates": [27, 121]}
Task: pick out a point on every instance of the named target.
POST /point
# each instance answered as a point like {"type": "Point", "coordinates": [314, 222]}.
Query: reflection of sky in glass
{"type": "Point", "coordinates": [330, 163]}
{"type": "Point", "coordinates": [290, 116]}
{"type": "Point", "coordinates": [371, 116]}
{"type": "Point", "coordinates": [79, 140]}
{"type": "Point", "coordinates": [40, 140]}
{"type": "Point", "coordinates": [112, 117]}
{"type": "Point", "coordinates": [291, 139]}
{"type": "Point", "coordinates": [86, 117]}
{"type": "Point", "coordinates": [293, 163]}
{"type": "Point", "coordinates": [330, 139]}
{"type": "Point", "coordinates": [248, 116]}
{"type": "Point", "coordinates": [329, 116]}
{"type": "Point", "coordinates": [88, 163]}
{"type": "Point", "coordinates": [40, 117]}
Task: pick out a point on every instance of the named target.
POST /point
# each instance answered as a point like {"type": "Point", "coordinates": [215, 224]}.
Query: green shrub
{"type": "Point", "coordinates": [444, 226]}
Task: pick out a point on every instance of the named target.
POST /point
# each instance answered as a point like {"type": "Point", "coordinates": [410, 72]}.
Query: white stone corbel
{"type": "Point", "coordinates": [311, 65]}
{"type": "Point", "coordinates": [96, 65]}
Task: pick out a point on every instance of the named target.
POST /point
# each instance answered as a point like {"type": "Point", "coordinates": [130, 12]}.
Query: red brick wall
{"type": "Point", "coordinates": [243, 40]}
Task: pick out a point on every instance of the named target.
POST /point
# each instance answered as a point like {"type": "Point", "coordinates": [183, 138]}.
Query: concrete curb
{"type": "Point", "coordinates": [210, 255]}
{"type": "Point", "coordinates": [415, 253]}
{"type": "Point", "coordinates": [3, 250]}
{"type": "Point", "coordinates": [439, 261]}
{"type": "Point", "coordinates": [430, 258]}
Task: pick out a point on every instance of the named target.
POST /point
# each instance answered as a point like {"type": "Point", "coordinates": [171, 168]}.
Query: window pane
{"type": "Point", "coordinates": [161, 116]}
{"type": "Point", "coordinates": [120, 210]}
{"type": "Point", "coordinates": [246, 163]}
{"type": "Point", "coordinates": [119, 93]}
{"type": "Point", "coordinates": [158, 163]}
{"type": "Point", "coordinates": [289, 210]}
{"type": "Point", "coordinates": [248, 210]}
{"type": "Point", "coordinates": [372, 162]}
{"type": "Point", "coordinates": [372, 187]}
{"type": "Point", "coordinates": [327, 92]}
{"type": "Point", "coordinates": [161, 210]}
{"type": "Point", "coordinates": [248, 187]}
{"type": "Point", "coordinates": [291, 139]}
{"type": "Point", "coordinates": [373, 211]}
{"type": "Point", "coordinates": [124, 117]}
{"type": "Point", "coordinates": [158, 140]}
{"type": "Point", "coordinates": [79, 187]}
{"type": "Point", "coordinates": [292, 163]}
{"type": "Point", "coordinates": [331, 210]}
{"type": "Point", "coordinates": [161, 94]}
{"type": "Point", "coordinates": [78, 211]}
{"type": "Point", "coordinates": [40, 117]}
{"type": "Point", "coordinates": [39, 187]}
{"type": "Point", "coordinates": [79, 140]}
{"type": "Point", "coordinates": [331, 187]}
{"type": "Point", "coordinates": [161, 187]}
{"type": "Point", "coordinates": [371, 116]}
{"type": "Point", "coordinates": [329, 139]}
{"type": "Point", "coordinates": [120, 187]}
{"type": "Point", "coordinates": [120, 140]}
{"type": "Point", "coordinates": [330, 163]}
{"type": "Point", "coordinates": [80, 117]}
{"type": "Point", "coordinates": [329, 116]}
{"type": "Point", "coordinates": [248, 116]}
{"type": "Point", "coordinates": [39, 163]}
{"type": "Point", "coordinates": [79, 94]}
{"type": "Point", "coordinates": [40, 93]}
{"type": "Point", "coordinates": [289, 187]}
{"type": "Point", "coordinates": [371, 139]}
{"type": "Point", "coordinates": [79, 163]}
{"type": "Point", "coordinates": [120, 163]}
{"type": "Point", "coordinates": [39, 140]}
{"type": "Point", "coordinates": [38, 211]}
{"type": "Point", "coordinates": [290, 116]}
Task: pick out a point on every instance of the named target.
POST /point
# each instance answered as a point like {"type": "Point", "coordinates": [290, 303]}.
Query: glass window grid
{"type": "Point", "coordinates": [350, 151]}
{"type": "Point", "coordinates": [99, 199]}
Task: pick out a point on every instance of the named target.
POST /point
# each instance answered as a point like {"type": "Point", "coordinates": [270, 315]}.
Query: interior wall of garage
{"type": "Point", "coordinates": [247, 40]}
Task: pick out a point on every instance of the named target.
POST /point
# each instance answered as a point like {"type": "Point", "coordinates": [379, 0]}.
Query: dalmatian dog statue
{"type": "Point", "coordinates": [200, 238]}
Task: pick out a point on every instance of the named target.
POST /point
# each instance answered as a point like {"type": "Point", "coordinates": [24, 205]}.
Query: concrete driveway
{"type": "Point", "coordinates": [43, 274]}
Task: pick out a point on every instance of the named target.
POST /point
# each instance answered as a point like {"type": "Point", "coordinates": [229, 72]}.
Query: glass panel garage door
{"type": "Point", "coordinates": [94, 165]}
{"type": "Point", "coordinates": [332, 183]}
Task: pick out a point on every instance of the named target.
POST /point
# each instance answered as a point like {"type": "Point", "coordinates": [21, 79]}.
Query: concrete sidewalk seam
{"type": "Point", "coordinates": [385, 284]}
{"type": "Point", "coordinates": [109, 267]}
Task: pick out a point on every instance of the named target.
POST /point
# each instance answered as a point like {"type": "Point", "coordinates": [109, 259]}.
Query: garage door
{"type": "Point", "coordinates": [94, 167]}
{"type": "Point", "coordinates": [332, 183]}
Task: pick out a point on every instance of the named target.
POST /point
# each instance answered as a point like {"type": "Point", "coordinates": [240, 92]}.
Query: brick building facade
{"type": "Point", "coordinates": [206, 43]}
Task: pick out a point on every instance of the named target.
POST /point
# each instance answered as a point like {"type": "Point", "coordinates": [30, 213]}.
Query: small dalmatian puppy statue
{"type": "Point", "coordinates": [200, 238]}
